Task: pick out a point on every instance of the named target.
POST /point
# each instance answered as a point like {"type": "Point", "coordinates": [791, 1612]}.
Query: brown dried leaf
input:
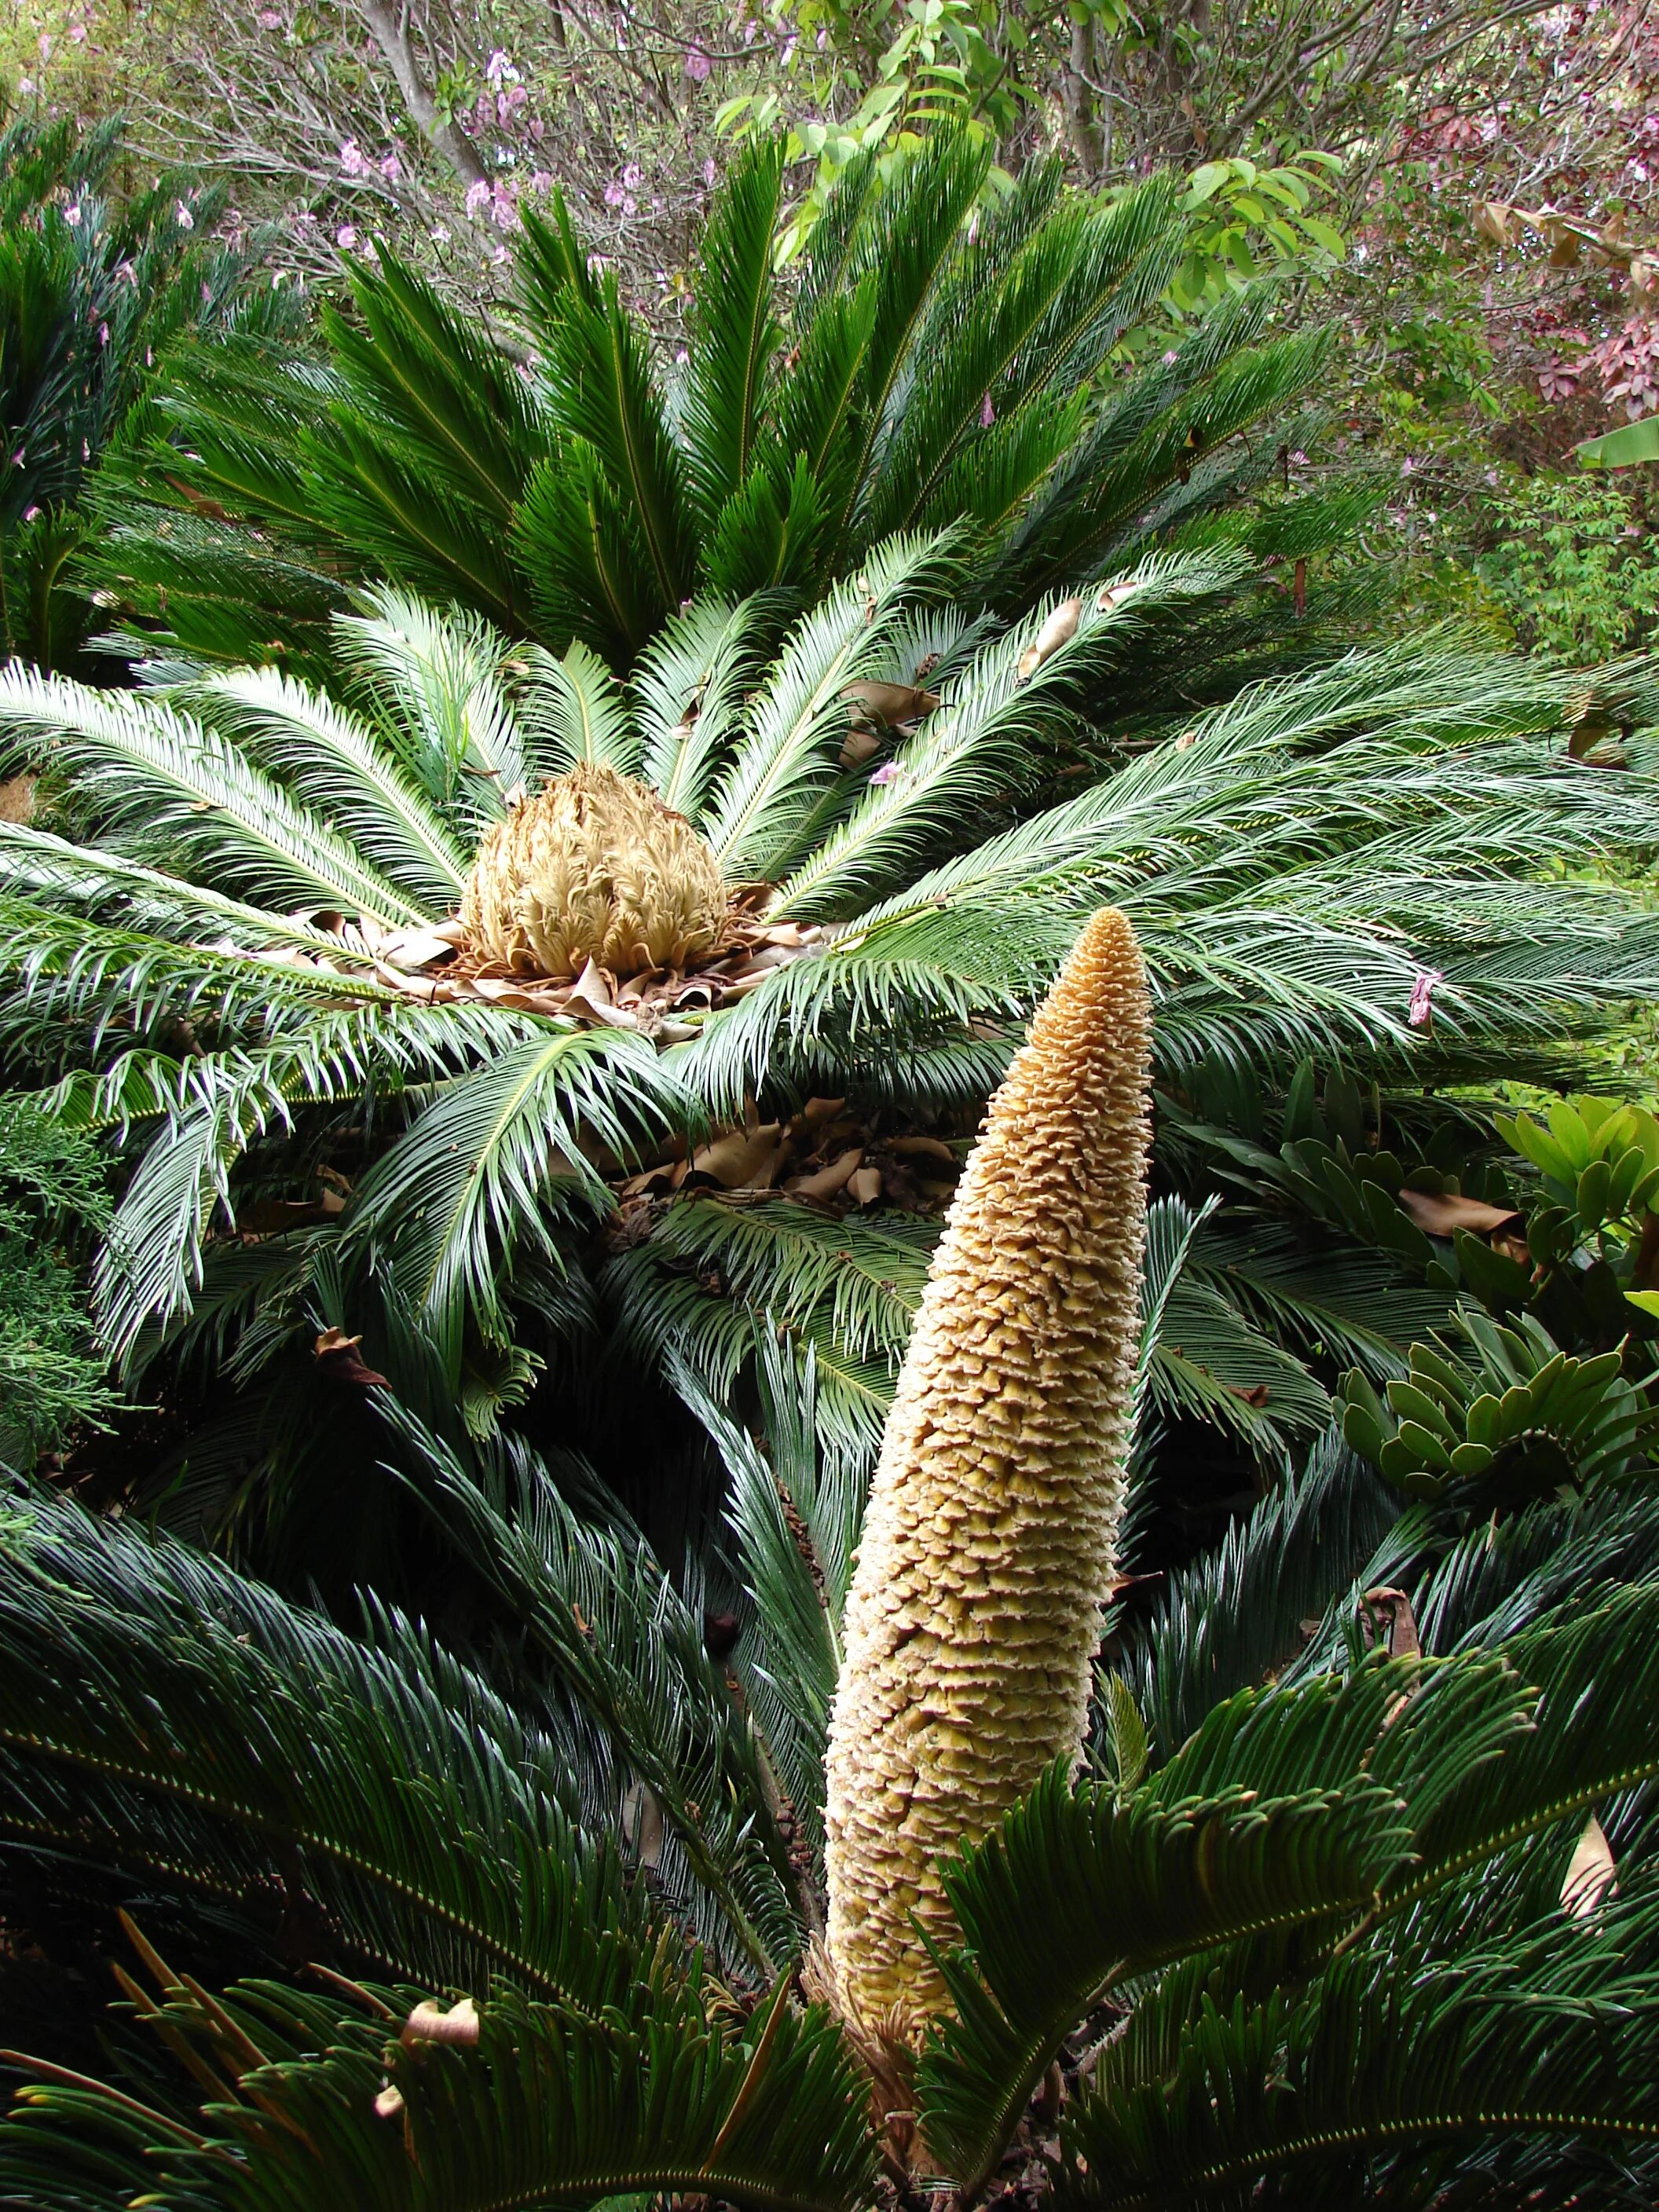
{"type": "Point", "coordinates": [1491, 222]}
{"type": "Point", "coordinates": [416, 949]}
{"type": "Point", "coordinates": [742, 1159]}
{"type": "Point", "coordinates": [1396, 1607]}
{"type": "Point", "coordinates": [866, 1185]}
{"type": "Point", "coordinates": [827, 1181]}
{"type": "Point", "coordinates": [642, 1824]}
{"type": "Point", "coordinates": [889, 705]}
{"type": "Point", "coordinates": [925, 1148]}
{"type": "Point", "coordinates": [860, 745]}
{"type": "Point", "coordinates": [342, 1362]}
{"type": "Point", "coordinates": [1058, 630]}
{"type": "Point", "coordinates": [1438, 1214]}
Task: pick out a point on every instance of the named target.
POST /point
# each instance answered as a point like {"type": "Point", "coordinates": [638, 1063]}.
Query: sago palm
{"type": "Point", "coordinates": [569, 476]}
{"type": "Point", "coordinates": [1385, 1927]}
{"type": "Point", "coordinates": [91, 288]}
{"type": "Point", "coordinates": [289, 941]}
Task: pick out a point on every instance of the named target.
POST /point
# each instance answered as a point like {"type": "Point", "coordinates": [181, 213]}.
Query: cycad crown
{"type": "Point", "coordinates": [929, 371]}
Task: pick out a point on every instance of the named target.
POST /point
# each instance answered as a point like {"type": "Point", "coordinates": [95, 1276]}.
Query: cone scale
{"type": "Point", "coordinates": [989, 1544]}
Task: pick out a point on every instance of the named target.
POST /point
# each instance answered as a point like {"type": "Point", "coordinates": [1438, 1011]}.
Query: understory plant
{"type": "Point", "coordinates": [1378, 1921]}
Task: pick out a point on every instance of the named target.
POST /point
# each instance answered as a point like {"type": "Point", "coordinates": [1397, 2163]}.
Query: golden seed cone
{"type": "Point", "coordinates": [594, 867]}
{"type": "Point", "coordinates": [989, 1544]}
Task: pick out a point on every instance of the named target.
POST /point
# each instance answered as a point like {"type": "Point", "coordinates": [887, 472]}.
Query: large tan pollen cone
{"type": "Point", "coordinates": [594, 867]}
{"type": "Point", "coordinates": [987, 1550]}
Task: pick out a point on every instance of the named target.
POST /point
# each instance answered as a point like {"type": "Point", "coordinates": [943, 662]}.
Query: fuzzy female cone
{"type": "Point", "coordinates": [594, 867]}
{"type": "Point", "coordinates": [987, 1548]}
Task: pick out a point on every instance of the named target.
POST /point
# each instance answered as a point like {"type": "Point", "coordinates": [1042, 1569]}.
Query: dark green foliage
{"type": "Point", "coordinates": [91, 286]}
{"type": "Point", "coordinates": [565, 484]}
{"type": "Point", "coordinates": [52, 1199]}
{"type": "Point", "coordinates": [1328, 1866]}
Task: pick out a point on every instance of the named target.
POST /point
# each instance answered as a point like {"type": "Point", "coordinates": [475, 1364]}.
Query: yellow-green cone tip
{"type": "Point", "coordinates": [988, 1549]}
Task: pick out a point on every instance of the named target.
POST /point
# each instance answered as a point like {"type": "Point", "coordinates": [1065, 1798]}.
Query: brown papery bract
{"type": "Point", "coordinates": [988, 1547]}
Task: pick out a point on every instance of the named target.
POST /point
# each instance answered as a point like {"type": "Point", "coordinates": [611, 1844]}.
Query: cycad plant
{"type": "Point", "coordinates": [1383, 1929]}
{"type": "Point", "coordinates": [300, 962]}
{"type": "Point", "coordinates": [93, 285]}
{"type": "Point", "coordinates": [569, 476]}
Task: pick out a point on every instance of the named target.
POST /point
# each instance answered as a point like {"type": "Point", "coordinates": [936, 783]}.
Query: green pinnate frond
{"type": "Point", "coordinates": [736, 332]}
{"type": "Point", "coordinates": [1132, 1884]}
{"type": "Point", "coordinates": [628, 1652]}
{"type": "Point", "coordinates": [169, 787]}
{"type": "Point", "coordinates": [572, 710]}
{"type": "Point", "coordinates": [161, 1714]}
{"type": "Point", "coordinates": [334, 764]}
{"type": "Point", "coordinates": [688, 687]}
{"type": "Point", "coordinates": [543, 2108]}
{"type": "Point", "coordinates": [496, 1159]}
{"type": "Point", "coordinates": [1519, 2067]}
{"type": "Point", "coordinates": [437, 677]}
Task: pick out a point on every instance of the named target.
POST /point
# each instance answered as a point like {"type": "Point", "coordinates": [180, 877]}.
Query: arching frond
{"type": "Point", "coordinates": [437, 679]}
{"type": "Point", "coordinates": [333, 764]}
{"type": "Point", "coordinates": [168, 787]}
{"type": "Point", "coordinates": [490, 1167]}
{"type": "Point", "coordinates": [571, 710]}
{"type": "Point", "coordinates": [161, 1715]}
{"type": "Point", "coordinates": [794, 727]}
{"type": "Point", "coordinates": [690, 684]}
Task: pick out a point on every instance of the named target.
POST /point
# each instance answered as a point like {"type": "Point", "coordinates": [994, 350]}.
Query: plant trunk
{"type": "Point", "coordinates": [987, 1550]}
{"type": "Point", "coordinates": [390, 30]}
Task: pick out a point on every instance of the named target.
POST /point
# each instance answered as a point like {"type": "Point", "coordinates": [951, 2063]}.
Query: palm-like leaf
{"type": "Point", "coordinates": [945, 372]}
{"type": "Point", "coordinates": [1295, 862]}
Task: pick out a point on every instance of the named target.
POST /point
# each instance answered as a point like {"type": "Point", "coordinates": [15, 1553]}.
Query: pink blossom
{"type": "Point", "coordinates": [440, 233]}
{"type": "Point", "coordinates": [633, 176]}
{"type": "Point", "coordinates": [709, 172]}
{"type": "Point", "coordinates": [185, 219]}
{"type": "Point", "coordinates": [345, 238]}
{"type": "Point", "coordinates": [540, 181]}
{"type": "Point", "coordinates": [77, 34]}
{"type": "Point", "coordinates": [889, 772]}
{"type": "Point", "coordinates": [391, 167]}
{"type": "Point", "coordinates": [477, 195]}
{"type": "Point", "coordinates": [72, 216]}
{"type": "Point", "coordinates": [351, 158]}
{"type": "Point", "coordinates": [268, 20]}
{"type": "Point", "coordinates": [499, 70]}
{"type": "Point", "coordinates": [614, 194]}
{"type": "Point", "coordinates": [26, 85]}
{"type": "Point", "coordinates": [697, 65]}
{"type": "Point", "coordinates": [988, 414]}
{"type": "Point", "coordinates": [502, 212]}
{"type": "Point", "coordinates": [1422, 992]}
{"type": "Point", "coordinates": [103, 334]}
{"type": "Point", "coordinates": [537, 129]}
{"type": "Point", "coordinates": [29, 513]}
